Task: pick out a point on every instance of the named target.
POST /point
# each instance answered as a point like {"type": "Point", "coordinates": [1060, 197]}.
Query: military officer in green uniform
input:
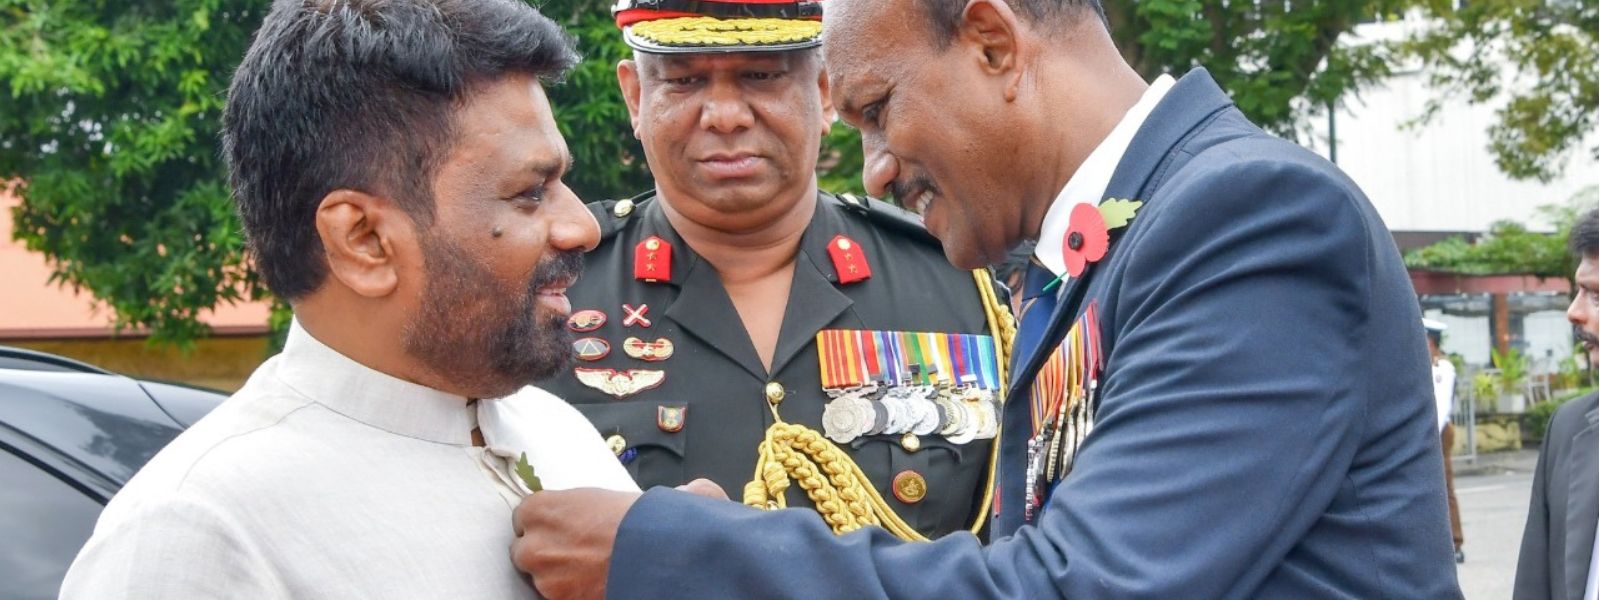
{"type": "Point", "coordinates": [736, 323]}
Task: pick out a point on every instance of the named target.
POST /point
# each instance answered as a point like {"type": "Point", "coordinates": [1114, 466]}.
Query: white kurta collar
{"type": "Point", "coordinates": [371, 397]}
{"type": "Point", "coordinates": [1088, 184]}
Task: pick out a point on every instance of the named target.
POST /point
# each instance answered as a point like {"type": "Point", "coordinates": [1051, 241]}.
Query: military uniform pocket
{"type": "Point", "coordinates": [935, 488]}
{"type": "Point", "coordinates": [648, 438]}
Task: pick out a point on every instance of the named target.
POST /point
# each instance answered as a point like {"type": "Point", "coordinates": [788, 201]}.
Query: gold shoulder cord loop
{"type": "Point", "coordinates": [843, 494]}
{"type": "Point", "coordinates": [1003, 326]}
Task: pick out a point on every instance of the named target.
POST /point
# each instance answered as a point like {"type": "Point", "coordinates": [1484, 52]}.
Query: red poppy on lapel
{"type": "Point", "coordinates": [1087, 239]}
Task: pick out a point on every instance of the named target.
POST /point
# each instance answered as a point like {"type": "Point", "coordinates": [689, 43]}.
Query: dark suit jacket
{"type": "Point", "coordinates": [1561, 518]}
{"type": "Point", "coordinates": [1265, 429]}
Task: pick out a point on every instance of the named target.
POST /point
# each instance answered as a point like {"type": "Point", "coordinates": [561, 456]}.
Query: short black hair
{"type": "Point", "coordinates": [945, 15]}
{"type": "Point", "coordinates": [362, 95]}
{"type": "Point", "coordinates": [1585, 237]}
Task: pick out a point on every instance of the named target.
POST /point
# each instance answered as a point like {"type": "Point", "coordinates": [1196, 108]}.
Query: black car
{"type": "Point", "coordinates": [70, 436]}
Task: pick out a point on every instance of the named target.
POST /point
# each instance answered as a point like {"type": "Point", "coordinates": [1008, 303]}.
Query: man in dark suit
{"type": "Point", "coordinates": [1221, 388]}
{"type": "Point", "coordinates": [1558, 544]}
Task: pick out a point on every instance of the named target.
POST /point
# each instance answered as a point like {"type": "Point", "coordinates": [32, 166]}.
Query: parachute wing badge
{"type": "Point", "coordinates": [620, 384]}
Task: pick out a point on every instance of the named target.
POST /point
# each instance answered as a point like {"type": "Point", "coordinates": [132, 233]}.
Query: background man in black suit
{"type": "Point", "coordinates": [1558, 544]}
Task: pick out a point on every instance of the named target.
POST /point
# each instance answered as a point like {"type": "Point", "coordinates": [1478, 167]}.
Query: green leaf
{"type": "Point", "coordinates": [525, 471]}
{"type": "Point", "coordinates": [1118, 213]}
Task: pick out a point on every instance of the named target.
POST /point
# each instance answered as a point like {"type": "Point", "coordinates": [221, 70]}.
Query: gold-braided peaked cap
{"type": "Point", "coordinates": [694, 26]}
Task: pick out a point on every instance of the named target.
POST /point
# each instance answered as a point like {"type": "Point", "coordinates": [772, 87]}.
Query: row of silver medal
{"type": "Point", "coordinates": [959, 414]}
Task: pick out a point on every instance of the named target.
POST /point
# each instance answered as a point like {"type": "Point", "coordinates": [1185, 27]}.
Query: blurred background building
{"type": "Point", "coordinates": [1438, 179]}
{"type": "Point", "coordinates": [42, 315]}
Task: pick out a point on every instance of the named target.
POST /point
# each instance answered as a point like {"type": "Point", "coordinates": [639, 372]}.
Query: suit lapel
{"type": "Point", "coordinates": [1581, 501]}
{"type": "Point", "coordinates": [1192, 101]}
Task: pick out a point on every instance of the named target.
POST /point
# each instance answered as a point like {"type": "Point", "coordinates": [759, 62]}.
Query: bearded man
{"type": "Point", "coordinates": [398, 172]}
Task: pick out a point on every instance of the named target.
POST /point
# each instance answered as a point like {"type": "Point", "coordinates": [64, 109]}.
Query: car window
{"type": "Point", "coordinates": [43, 523]}
{"type": "Point", "coordinates": [30, 364]}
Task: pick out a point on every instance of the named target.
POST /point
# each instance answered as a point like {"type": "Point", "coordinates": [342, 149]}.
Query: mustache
{"type": "Point", "coordinates": [1585, 337]}
{"type": "Point", "coordinates": [562, 266]}
{"type": "Point", "coordinates": [901, 189]}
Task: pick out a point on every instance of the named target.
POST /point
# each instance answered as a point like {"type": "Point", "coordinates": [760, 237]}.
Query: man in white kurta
{"type": "Point", "coordinates": [397, 170]}
{"type": "Point", "coordinates": [323, 478]}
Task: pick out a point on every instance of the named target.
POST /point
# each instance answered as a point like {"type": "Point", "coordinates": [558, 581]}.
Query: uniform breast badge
{"type": "Point", "coordinates": [635, 316]}
{"type": "Point", "coordinates": [670, 418]}
{"type": "Point", "coordinates": [584, 321]}
{"type": "Point", "coordinates": [620, 384]}
{"type": "Point", "coordinates": [591, 348]}
{"type": "Point", "coordinates": [656, 351]}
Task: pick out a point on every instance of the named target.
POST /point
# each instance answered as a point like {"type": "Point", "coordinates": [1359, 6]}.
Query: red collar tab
{"type": "Point", "coordinates": [849, 260]}
{"type": "Point", "coordinates": [652, 260]}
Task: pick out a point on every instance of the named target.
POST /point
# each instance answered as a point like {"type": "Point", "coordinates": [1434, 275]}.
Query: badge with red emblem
{"type": "Point", "coordinates": [670, 418]}
{"type": "Point", "coordinates": [635, 316]}
{"type": "Point", "coordinates": [849, 260]}
{"type": "Point", "coordinates": [586, 320]}
{"type": "Point", "coordinates": [652, 260]}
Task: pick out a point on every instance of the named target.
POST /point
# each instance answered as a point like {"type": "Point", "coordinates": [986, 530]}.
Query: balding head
{"type": "Point", "coordinates": [949, 94]}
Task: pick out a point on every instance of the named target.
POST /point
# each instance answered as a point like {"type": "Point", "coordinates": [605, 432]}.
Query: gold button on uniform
{"type": "Point", "coordinates": [623, 208]}
{"type": "Point", "coordinates": [911, 442]}
{"type": "Point", "coordinates": [774, 392]}
{"type": "Point", "coordinates": [910, 487]}
{"type": "Point", "coordinates": [617, 444]}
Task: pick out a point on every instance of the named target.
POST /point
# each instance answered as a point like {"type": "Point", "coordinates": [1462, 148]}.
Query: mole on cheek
{"type": "Point", "coordinates": [497, 231]}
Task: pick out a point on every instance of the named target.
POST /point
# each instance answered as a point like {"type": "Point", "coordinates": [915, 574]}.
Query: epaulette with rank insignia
{"type": "Point", "coordinates": [613, 215]}
{"type": "Point", "coordinates": [888, 216]}
{"type": "Point", "coordinates": [902, 221]}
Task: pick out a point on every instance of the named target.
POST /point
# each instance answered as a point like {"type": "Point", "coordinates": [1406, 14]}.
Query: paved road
{"type": "Point", "coordinates": [1494, 507]}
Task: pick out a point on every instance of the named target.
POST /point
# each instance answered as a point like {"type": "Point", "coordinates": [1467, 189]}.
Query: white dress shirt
{"type": "Point", "coordinates": [1088, 184]}
{"type": "Point", "coordinates": [323, 478]}
{"type": "Point", "coordinates": [1444, 390]}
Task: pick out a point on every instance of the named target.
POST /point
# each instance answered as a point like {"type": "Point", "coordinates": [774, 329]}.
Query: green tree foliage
{"type": "Point", "coordinates": [109, 114]}
{"type": "Point", "coordinates": [1547, 106]}
{"type": "Point", "coordinates": [609, 162]}
{"type": "Point", "coordinates": [108, 131]}
{"type": "Point", "coordinates": [1280, 61]}
{"type": "Point", "coordinates": [1509, 247]}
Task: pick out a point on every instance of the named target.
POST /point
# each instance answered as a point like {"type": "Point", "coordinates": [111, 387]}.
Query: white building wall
{"type": "Point", "coordinates": [1441, 176]}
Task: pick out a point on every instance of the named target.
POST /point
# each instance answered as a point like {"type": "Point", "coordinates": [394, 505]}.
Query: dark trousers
{"type": "Point", "coordinates": [1447, 439]}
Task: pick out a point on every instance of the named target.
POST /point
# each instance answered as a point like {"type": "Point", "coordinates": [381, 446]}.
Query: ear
{"type": "Point", "coordinates": [990, 29]}
{"type": "Point", "coordinates": [628, 81]}
{"type": "Point", "coordinates": [359, 235]}
{"type": "Point", "coordinates": [829, 115]}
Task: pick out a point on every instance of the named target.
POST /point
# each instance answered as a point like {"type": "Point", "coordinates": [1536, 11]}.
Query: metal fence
{"type": "Point", "coordinates": [1465, 418]}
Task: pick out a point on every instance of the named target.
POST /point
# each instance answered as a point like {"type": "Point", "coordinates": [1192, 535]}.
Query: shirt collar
{"type": "Point", "coordinates": [1088, 184]}
{"type": "Point", "coordinates": [371, 397]}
